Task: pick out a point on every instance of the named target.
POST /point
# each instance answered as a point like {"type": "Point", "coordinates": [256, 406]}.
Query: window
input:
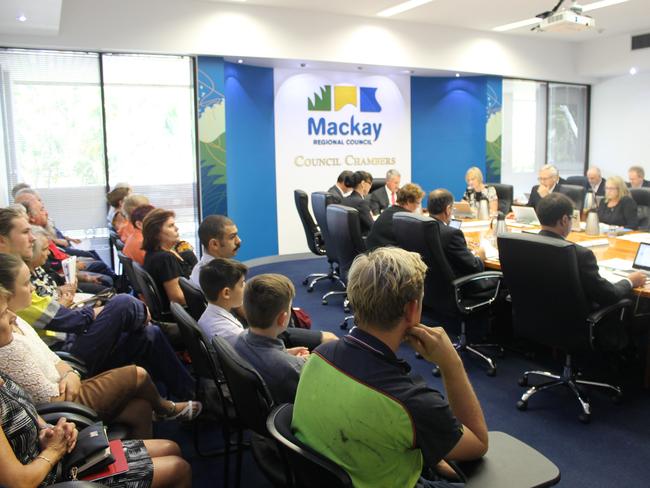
{"type": "Point", "coordinates": [567, 128]}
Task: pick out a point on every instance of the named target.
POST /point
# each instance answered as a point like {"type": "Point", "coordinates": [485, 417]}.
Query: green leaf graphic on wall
{"type": "Point", "coordinates": [493, 130]}
{"type": "Point", "coordinates": [322, 102]}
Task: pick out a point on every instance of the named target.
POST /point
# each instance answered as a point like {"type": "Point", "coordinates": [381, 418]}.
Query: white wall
{"type": "Point", "coordinates": [611, 57]}
{"type": "Point", "coordinates": [189, 27]}
{"type": "Point", "coordinates": [620, 124]}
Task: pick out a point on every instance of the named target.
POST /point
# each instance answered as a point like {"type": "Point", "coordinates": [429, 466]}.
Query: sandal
{"type": "Point", "coordinates": [192, 410]}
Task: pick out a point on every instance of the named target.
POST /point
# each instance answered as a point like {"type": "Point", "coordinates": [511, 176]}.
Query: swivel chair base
{"type": "Point", "coordinates": [332, 275]}
{"type": "Point", "coordinates": [569, 379]}
{"type": "Point", "coordinates": [346, 302]}
{"type": "Point", "coordinates": [462, 346]}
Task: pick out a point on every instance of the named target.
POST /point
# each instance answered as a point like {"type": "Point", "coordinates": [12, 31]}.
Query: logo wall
{"type": "Point", "coordinates": [328, 122]}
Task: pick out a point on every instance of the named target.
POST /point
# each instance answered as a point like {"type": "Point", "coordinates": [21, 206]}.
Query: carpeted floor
{"type": "Point", "coordinates": [613, 450]}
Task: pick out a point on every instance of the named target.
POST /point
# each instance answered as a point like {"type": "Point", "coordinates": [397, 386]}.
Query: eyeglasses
{"type": "Point", "coordinates": [544, 178]}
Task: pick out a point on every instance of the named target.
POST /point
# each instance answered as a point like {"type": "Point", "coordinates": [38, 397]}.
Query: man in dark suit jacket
{"type": "Point", "coordinates": [462, 261]}
{"type": "Point", "coordinates": [636, 175]}
{"type": "Point", "coordinates": [339, 190]}
{"type": "Point", "coordinates": [596, 181]}
{"type": "Point", "coordinates": [409, 198]}
{"type": "Point", "coordinates": [384, 197]}
{"type": "Point", "coordinates": [554, 212]}
{"type": "Point", "coordinates": [549, 181]}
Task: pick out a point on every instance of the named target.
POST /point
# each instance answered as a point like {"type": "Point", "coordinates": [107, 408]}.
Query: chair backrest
{"type": "Point", "coordinates": [575, 193]}
{"type": "Point", "coordinates": [193, 339]}
{"type": "Point", "coordinates": [345, 235]}
{"type": "Point", "coordinates": [320, 200]}
{"type": "Point", "coordinates": [642, 198]}
{"type": "Point", "coordinates": [250, 396]}
{"type": "Point", "coordinates": [149, 290]}
{"type": "Point", "coordinates": [505, 193]}
{"type": "Point", "coordinates": [194, 298]}
{"type": "Point", "coordinates": [127, 266]}
{"type": "Point", "coordinates": [310, 469]}
{"type": "Point", "coordinates": [313, 235]}
{"type": "Point", "coordinates": [421, 234]}
{"type": "Point", "coordinates": [578, 181]}
{"type": "Point", "coordinates": [114, 239]}
{"type": "Point", "coordinates": [548, 302]}
{"type": "Point", "coordinates": [377, 183]}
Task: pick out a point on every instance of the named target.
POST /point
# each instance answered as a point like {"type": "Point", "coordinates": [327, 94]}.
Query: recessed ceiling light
{"type": "Point", "coordinates": [633, 71]}
{"type": "Point", "coordinates": [240, 61]}
{"type": "Point", "coordinates": [402, 7]}
{"type": "Point", "coordinates": [537, 20]}
{"type": "Point", "coordinates": [21, 18]}
{"type": "Point", "coordinates": [359, 68]}
{"type": "Point", "coordinates": [457, 75]}
{"type": "Point", "coordinates": [303, 65]}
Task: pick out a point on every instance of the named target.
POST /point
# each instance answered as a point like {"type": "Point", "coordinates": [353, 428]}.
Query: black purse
{"type": "Point", "coordinates": [92, 453]}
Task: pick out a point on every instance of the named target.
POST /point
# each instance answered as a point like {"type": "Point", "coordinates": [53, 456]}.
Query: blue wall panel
{"type": "Point", "coordinates": [447, 130]}
{"type": "Point", "coordinates": [250, 139]}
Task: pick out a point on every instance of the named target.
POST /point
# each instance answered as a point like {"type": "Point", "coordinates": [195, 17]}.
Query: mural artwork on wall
{"type": "Point", "coordinates": [493, 130]}
{"type": "Point", "coordinates": [212, 135]}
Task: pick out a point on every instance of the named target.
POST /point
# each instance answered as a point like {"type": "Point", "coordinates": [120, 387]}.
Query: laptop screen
{"type": "Point", "coordinates": [455, 223]}
{"type": "Point", "coordinates": [642, 259]}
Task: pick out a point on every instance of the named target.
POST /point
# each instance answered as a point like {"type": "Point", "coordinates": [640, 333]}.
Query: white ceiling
{"type": "Point", "coordinates": [43, 17]}
{"type": "Point", "coordinates": [630, 17]}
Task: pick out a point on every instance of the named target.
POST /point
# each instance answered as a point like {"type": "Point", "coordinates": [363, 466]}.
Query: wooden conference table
{"type": "Point", "coordinates": [617, 248]}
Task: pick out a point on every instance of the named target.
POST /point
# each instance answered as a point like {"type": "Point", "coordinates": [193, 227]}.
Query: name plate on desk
{"type": "Point", "coordinates": [593, 243]}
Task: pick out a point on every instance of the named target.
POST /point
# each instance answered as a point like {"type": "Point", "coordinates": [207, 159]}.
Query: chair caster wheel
{"type": "Point", "coordinates": [305, 281]}
{"type": "Point", "coordinates": [522, 405]}
{"type": "Point", "coordinates": [523, 381]}
{"type": "Point", "coordinates": [309, 290]}
{"type": "Point", "coordinates": [436, 372]}
{"type": "Point", "coordinates": [344, 326]}
{"type": "Point", "coordinates": [491, 371]}
{"type": "Point", "coordinates": [418, 356]}
{"type": "Point", "coordinates": [324, 302]}
{"type": "Point", "coordinates": [346, 309]}
{"type": "Point", "coordinates": [585, 418]}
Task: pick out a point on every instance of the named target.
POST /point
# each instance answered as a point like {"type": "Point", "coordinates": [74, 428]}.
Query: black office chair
{"type": "Point", "coordinates": [320, 200]}
{"type": "Point", "coordinates": [505, 194]}
{"type": "Point", "coordinates": [252, 404]}
{"type": "Point", "coordinates": [578, 181]}
{"type": "Point", "coordinates": [377, 183]}
{"type": "Point", "coordinates": [127, 267]}
{"type": "Point", "coordinates": [194, 298]}
{"type": "Point", "coordinates": [549, 307]}
{"type": "Point", "coordinates": [642, 198]}
{"type": "Point", "coordinates": [76, 484]}
{"type": "Point", "coordinates": [80, 415]}
{"type": "Point", "coordinates": [575, 193]}
{"type": "Point", "coordinates": [159, 316]}
{"type": "Point", "coordinates": [314, 237]}
{"type": "Point", "coordinates": [345, 234]}
{"type": "Point", "coordinates": [450, 298]}
{"type": "Point", "coordinates": [309, 468]}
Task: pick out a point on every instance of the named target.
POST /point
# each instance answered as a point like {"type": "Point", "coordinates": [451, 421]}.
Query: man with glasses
{"type": "Point", "coordinates": [549, 181]}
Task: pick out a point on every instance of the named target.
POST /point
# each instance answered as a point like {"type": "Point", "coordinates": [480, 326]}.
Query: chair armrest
{"type": "Point", "coordinates": [597, 318]}
{"type": "Point", "coordinates": [79, 420]}
{"type": "Point", "coordinates": [67, 407]}
{"type": "Point", "coordinates": [459, 283]}
{"type": "Point", "coordinates": [74, 362]}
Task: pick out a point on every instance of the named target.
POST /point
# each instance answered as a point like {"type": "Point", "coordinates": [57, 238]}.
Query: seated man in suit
{"type": "Point", "coordinates": [394, 424]}
{"type": "Point", "coordinates": [636, 175]}
{"type": "Point", "coordinates": [554, 212]}
{"type": "Point", "coordinates": [385, 196]}
{"type": "Point", "coordinates": [409, 198]}
{"type": "Point", "coordinates": [596, 181]}
{"type": "Point", "coordinates": [340, 190]}
{"type": "Point", "coordinates": [462, 261]}
{"type": "Point", "coordinates": [549, 179]}
{"type": "Point", "coordinates": [267, 300]}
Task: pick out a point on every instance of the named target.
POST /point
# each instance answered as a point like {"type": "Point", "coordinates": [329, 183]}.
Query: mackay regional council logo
{"type": "Point", "coordinates": [333, 99]}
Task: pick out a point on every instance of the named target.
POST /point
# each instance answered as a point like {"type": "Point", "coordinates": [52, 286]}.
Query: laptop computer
{"type": "Point", "coordinates": [641, 262]}
{"type": "Point", "coordinates": [525, 215]}
{"type": "Point", "coordinates": [455, 223]}
{"type": "Point", "coordinates": [462, 209]}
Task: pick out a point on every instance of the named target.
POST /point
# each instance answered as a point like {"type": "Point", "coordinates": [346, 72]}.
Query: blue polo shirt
{"type": "Point", "coordinates": [358, 405]}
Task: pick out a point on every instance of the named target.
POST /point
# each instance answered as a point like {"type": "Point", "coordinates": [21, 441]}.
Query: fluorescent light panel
{"type": "Point", "coordinates": [402, 7]}
{"type": "Point", "coordinates": [536, 20]}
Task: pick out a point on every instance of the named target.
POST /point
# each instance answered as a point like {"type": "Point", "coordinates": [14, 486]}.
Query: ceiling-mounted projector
{"type": "Point", "coordinates": [567, 20]}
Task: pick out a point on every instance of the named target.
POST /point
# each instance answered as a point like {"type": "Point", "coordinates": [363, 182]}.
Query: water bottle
{"type": "Point", "coordinates": [483, 210]}
{"type": "Point", "coordinates": [593, 225]}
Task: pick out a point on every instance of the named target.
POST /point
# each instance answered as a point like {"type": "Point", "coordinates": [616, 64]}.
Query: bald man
{"type": "Point", "coordinates": [596, 181]}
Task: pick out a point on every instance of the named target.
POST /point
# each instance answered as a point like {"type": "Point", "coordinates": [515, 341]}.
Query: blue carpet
{"type": "Point", "coordinates": [611, 451]}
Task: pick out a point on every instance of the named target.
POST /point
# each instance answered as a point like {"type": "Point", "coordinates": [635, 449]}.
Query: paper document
{"type": "Point", "coordinates": [491, 252]}
{"type": "Point", "coordinates": [616, 263]}
{"type": "Point", "coordinates": [593, 243]}
{"type": "Point", "coordinates": [640, 237]}
{"type": "Point", "coordinates": [69, 266]}
{"type": "Point", "coordinates": [475, 223]}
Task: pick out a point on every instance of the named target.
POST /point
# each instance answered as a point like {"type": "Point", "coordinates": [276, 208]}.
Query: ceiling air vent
{"type": "Point", "coordinates": [641, 41]}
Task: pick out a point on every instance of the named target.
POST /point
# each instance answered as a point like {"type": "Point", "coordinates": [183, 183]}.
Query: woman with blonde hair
{"type": "Point", "coordinates": [618, 207]}
{"type": "Point", "coordinates": [477, 191]}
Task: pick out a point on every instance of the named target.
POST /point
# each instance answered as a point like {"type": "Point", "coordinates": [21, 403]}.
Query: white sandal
{"type": "Point", "coordinates": [187, 414]}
